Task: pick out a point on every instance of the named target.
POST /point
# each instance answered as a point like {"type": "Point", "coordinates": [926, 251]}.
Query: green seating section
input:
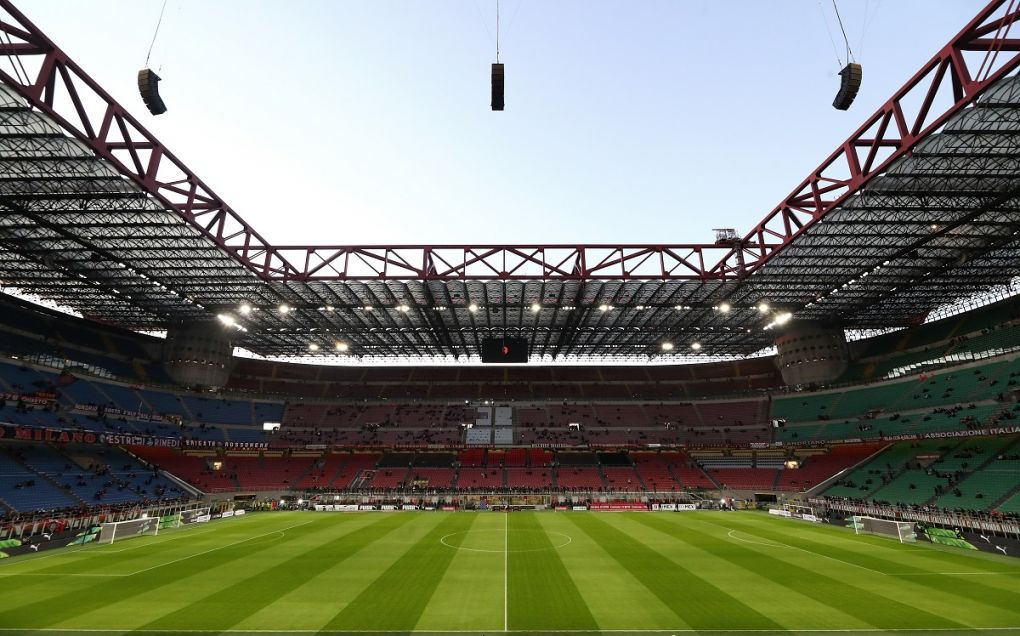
{"type": "Point", "coordinates": [938, 339]}
{"type": "Point", "coordinates": [980, 491]}
{"type": "Point", "coordinates": [912, 486]}
{"type": "Point", "coordinates": [1012, 504]}
{"type": "Point", "coordinates": [973, 454]}
{"type": "Point", "coordinates": [1003, 337]}
{"type": "Point", "coordinates": [864, 481]}
{"type": "Point", "coordinates": [986, 470]}
{"type": "Point", "coordinates": [992, 478]}
{"type": "Point", "coordinates": [907, 424]}
{"type": "Point", "coordinates": [807, 407]}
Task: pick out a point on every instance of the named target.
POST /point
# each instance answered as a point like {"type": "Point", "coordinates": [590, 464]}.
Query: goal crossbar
{"type": "Point", "coordinates": [110, 532]}
{"type": "Point", "coordinates": [903, 531]}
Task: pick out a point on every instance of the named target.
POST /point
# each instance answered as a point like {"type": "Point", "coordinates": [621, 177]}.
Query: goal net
{"type": "Point", "coordinates": [900, 530]}
{"type": "Point", "coordinates": [110, 532]}
{"type": "Point", "coordinates": [800, 511]}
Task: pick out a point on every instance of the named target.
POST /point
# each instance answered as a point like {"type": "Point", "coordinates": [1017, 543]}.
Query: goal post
{"type": "Point", "coordinates": [799, 510]}
{"type": "Point", "coordinates": [903, 531]}
{"type": "Point", "coordinates": [110, 532]}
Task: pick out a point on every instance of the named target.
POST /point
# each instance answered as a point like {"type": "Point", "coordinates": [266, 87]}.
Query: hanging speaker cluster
{"type": "Point", "coordinates": [148, 86]}
{"type": "Point", "coordinates": [850, 83]}
{"type": "Point", "coordinates": [497, 87]}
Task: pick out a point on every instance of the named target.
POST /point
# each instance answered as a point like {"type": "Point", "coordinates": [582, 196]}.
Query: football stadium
{"type": "Point", "coordinates": [809, 426]}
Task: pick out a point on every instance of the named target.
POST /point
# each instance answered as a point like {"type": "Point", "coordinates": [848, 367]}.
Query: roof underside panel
{"type": "Point", "coordinates": [94, 223]}
{"type": "Point", "coordinates": [940, 225]}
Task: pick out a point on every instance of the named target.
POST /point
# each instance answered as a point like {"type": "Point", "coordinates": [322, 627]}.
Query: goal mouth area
{"type": "Point", "coordinates": [114, 530]}
{"type": "Point", "coordinates": [902, 531]}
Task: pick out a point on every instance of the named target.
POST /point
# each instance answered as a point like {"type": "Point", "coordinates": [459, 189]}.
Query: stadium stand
{"type": "Point", "coordinates": [818, 465]}
{"type": "Point", "coordinates": [23, 489]}
{"type": "Point", "coordinates": [950, 386]}
{"type": "Point", "coordinates": [605, 410]}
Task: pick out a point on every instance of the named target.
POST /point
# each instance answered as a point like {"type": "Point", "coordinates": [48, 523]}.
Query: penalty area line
{"type": "Point", "coordinates": [778, 544]}
{"type": "Point", "coordinates": [184, 558]}
{"type": "Point", "coordinates": [875, 630]}
{"type": "Point", "coordinates": [245, 540]}
{"type": "Point", "coordinates": [506, 572]}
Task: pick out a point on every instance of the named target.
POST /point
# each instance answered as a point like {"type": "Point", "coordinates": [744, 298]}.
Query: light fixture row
{"type": "Point", "coordinates": [723, 307]}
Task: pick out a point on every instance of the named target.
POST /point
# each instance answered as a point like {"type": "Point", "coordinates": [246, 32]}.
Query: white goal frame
{"type": "Point", "coordinates": [108, 532]}
{"type": "Point", "coordinates": [799, 509]}
{"type": "Point", "coordinates": [903, 531]}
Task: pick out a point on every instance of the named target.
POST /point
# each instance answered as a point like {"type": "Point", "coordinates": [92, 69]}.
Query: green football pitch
{"type": "Point", "coordinates": [550, 572]}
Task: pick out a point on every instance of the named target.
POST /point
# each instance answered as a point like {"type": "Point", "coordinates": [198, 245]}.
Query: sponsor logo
{"type": "Point", "coordinates": [54, 435]}
{"type": "Point", "coordinates": [620, 505]}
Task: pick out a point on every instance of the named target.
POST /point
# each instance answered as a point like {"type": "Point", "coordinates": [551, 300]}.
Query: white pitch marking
{"type": "Point", "coordinates": [953, 573]}
{"type": "Point", "coordinates": [146, 544]}
{"type": "Point", "coordinates": [908, 630]}
{"type": "Point", "coordinates": [190, 556]}
{"type": "Point", "coordinates": [779, 544]}
{"type": "Point", "coordinates": [443, 539]}
{"type": "Point", "coordinates": [95, 547]}
{"type": "Point", "coordinates": [506, 557]}
{"type": "Point", "coordinates": [60, 574]}
{"type": "Point", "coordinates": [281, 531]}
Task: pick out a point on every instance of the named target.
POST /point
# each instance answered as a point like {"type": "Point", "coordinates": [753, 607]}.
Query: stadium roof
{"type": "Point", "coordinates": [916, 210]}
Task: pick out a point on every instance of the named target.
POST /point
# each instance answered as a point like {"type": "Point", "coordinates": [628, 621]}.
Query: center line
{"type": "Point", "coordinates": [506, 535]}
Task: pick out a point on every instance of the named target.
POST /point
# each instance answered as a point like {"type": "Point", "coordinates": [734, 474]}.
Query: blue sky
{"type": "Point", "coordinates": [342, 122]}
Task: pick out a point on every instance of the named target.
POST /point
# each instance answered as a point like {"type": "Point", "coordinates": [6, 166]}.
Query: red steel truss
{"type": "Point", "coordinates": [890, 133]}
{"type": "Point", "coordinates": [953, 79]}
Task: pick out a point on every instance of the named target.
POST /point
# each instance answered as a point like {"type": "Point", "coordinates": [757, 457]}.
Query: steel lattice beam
{"type": "Point", "coordinates": [923, 214]}
{"type": "Point", "coordinates": [907, 118]}
{"type": "Point", "coordinates": [59, 88]}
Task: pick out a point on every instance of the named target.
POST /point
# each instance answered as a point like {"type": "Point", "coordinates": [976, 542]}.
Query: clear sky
{"type": "Point", "coordinates": [368, 122]}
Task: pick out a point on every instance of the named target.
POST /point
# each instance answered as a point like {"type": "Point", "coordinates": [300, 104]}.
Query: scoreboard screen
{"type": "Point", "coordinates": [505, 350]}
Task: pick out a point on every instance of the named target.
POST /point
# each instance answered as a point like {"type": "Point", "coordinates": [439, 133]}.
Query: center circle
{"type": "Point", "coordinates": [495, 541]}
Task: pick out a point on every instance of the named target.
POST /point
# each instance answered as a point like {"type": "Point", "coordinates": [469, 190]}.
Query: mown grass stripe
{"type": "Point", "coordinates": [693, 599]}
{"type": "Point", "coordinates": [614, 597]}
{"type": "Point", "coordinates": [542, 596]}
{"type": "Point", "coordinates": [318, 600]}
{"type": "Point", "coordinates": [127, 555]}
{"type": "Point", "coordinates": [866, 606]}
{"type": "Point", "coordinates": [235, 602]}
{"type": "Point", "coordinates": [398, 597]}
{"type": "Point", "coordinates": [41, 582]}
{"type": "Point", "coordinates": [891, 549]}
{"type": "Point", "coordinates": [470, 594]}
{"type": "Point", "coordinates": [971, 589]}
{"type": "Point", "coordinates": [68, 605]}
